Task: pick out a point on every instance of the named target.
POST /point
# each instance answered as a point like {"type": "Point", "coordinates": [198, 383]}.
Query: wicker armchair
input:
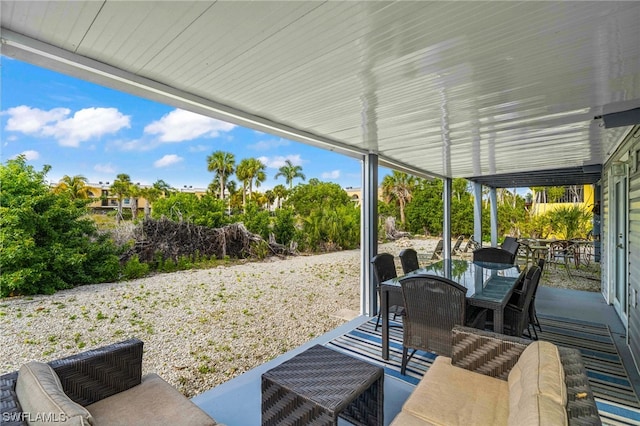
{"type": "Point", "coordinates": [99, 377]}
{"type": "Point", "coordinates": [474, 387]}
{"type": "Point", "coordinates": [494, 355]}
{"type": "Point", "coordinates": [409, 260]}
{"type": "Point", "coordinates": [384, 268]}
{"type": "Point", "coordinates": [433, 306]}
{"type": "Point", "coordinates": [78, 376]}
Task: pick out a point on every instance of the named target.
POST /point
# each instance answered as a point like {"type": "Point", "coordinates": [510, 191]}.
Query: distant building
{"type": "Point", "coordinates": [104, 201]}
{"type": "Point", "coordinates": [356, 194]}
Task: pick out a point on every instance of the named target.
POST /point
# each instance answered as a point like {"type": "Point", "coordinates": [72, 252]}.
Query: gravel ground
{"type": "Point", "coordinates": [204, 327]}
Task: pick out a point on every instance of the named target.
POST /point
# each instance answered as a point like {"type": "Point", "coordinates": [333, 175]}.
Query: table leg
{"type": "Point", "coordinates": [384, 306]}
{"type": "Point", "coordinates": [498, 321]}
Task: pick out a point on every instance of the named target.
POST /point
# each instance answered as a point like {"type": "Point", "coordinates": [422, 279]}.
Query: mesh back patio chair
{"type": "Point", "coordinates": [384, 268]}
{"type": "Point", "coordinates": [409, 260]}
{"type": "Point", "coordinates": [517, 316]}
{"type": "Point", "coordinates": [493, 254]}
{"type": "Point", "coordinates": [433, 305]}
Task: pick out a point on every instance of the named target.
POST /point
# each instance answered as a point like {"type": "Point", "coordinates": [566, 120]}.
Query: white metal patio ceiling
{"type": "Point", "coordinates": [454, 89]}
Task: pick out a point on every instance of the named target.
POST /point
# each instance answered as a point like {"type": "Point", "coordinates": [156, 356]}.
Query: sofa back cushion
{"type": "Point", "coordinates": [537, 389]}
{"type": "Point", "coordinates": [41, 396]}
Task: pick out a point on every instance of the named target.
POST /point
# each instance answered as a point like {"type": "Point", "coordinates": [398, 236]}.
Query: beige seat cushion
{"type": "Point", "coordinates": [40, 393]}
{"type": "Point", "coordinates": [449, 395]}
{"type": "Point", "coordinates": [406, 419]}
{"type": "Point", "coordinates": [153, 402]}
{"type": "Point", "coordinates": [538, 372]}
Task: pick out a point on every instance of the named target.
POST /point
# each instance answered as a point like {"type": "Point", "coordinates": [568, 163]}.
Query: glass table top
{"type": "Point", "coordinates": [483, 280]}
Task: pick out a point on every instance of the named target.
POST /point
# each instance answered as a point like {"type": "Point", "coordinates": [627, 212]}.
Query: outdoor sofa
{"type": "Point", "coordinates": [493, 379]}
{"type": "Point", "coordinates": [103, 386]}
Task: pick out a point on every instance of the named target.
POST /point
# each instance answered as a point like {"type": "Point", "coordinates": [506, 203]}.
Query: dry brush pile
{"type": "Point", "coordinates": [175, 240]}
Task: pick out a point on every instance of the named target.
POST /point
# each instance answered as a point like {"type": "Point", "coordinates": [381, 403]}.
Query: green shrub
{"type": "Point", "coordinates": [48, 242]}
{"type": "Point", "coordinates": [260, 249]}
{"type": "Point", "coordinates": [284, 226]}
{"type": "Point", "coordinates": [135, 269]}
{"type": "Point", "coordinates": [257, 220]}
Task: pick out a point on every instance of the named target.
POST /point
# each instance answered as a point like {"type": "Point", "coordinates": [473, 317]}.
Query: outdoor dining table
{"type": "Point", "coordinates": [489, 285]}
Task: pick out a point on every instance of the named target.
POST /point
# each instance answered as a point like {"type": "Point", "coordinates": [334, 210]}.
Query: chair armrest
{"type": "Point", "coordinates": [485, 352]}
{"type": "Point", "coordinates": [93, 375]}
{"type": "Point", "coordinates": [581, 405]}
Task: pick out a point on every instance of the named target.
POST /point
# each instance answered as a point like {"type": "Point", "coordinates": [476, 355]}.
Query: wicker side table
{"type": "Point", "coordinates": [318, 386]}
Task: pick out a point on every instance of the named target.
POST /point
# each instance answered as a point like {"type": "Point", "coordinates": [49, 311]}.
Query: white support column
{"type": "Point", "coordinates": [446, 221]}
{"type": "Point", "coordinates": [494, 217]}
{"type": "Point", "coordinates": [477, 212]}
{"type": "Point", "coordinates": [368, 235]}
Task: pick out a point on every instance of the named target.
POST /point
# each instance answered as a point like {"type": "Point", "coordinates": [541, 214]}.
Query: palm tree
{"type": "Point", "coordinates": [250, 171]}
{"type": "Point", "coordinates": [243, 174]}
{"type": "Point", "coordinates": [150, 194]}
{"type": "Point", "coordinates": [399, 186]}
{"type": "Point", "coordinates": [281, 193]}
{"type": "Point", "coordinates": [223, 164]}
{"type": "Point", "coordinates": [290, 172]}
{"type": "Point", "coordinates": [134, 192]}
{"type": "Point", "coordinates": [270, 197]}
{"type": "Point", "coordinates": [256, 174]}
{"type": "Point", "coordinates": [164, 188]}
{"type": "Point", "coordinates": [76, 187]}
{"type": "Point", "coordinates": [121, 188]}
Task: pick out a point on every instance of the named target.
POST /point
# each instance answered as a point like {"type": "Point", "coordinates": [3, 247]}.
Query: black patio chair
{"type": "Point", "coordinates": [493, 255]}
{"type": "Point", "coordinates": [517, 316]}
{"type": "Point", "coordinates": [409, 260]}
{"type": "Point", "coordinates": [433, 306]}
{"type": "Point", "coordinates": [455, 250]}
{"type": "Point", "coordinates": [533, 315]}
{"type": "Point", "coordinates": [384, 268]}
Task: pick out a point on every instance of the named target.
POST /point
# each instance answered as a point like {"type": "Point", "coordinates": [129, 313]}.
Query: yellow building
{"type": "Point", "coordinates": [574, 195]}
{"type": "Point", "coordinates": [356, 194]}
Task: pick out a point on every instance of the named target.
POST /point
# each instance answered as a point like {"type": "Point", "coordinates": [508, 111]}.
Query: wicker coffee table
{"type": "Point", "coordinates": [318, 386]}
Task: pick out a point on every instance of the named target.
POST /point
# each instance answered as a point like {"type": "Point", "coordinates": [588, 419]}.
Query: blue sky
{"type": "Point", "coordinates": [80, 128]}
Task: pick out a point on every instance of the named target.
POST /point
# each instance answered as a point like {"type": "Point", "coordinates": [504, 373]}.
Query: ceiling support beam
{"type": "Point", "coordinates": [494, 216]}
{"type": "Point", "coordinates": [446, 222]}
{"type": "Point", "coordinates": [368, 235]}
{"type": "Point", "coordinates": [477, 212]}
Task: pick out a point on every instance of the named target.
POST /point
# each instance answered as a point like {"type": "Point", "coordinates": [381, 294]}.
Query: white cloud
{"type": "Point", "coordinates": [168, 160]}
{"type": "Point", "coordinates": [29, 120]}
{"type": "Point", "coordinates": [269, 144]}
{"type": "Point", "coordinates": [199, 148]}
{"type": "Point", "coordinates": [140, 145]}
{"type": "Point", "coordinates": [30, 155]}
{"type": "Point", "coordinates": [104, 168]}
{"type": "Point", "coordinates": [334, 174]}
{"type": "Point", "coordinates": [180, 125]}
{"type": "Point", "coordinates": [279, 160]}
{"type": "Point", "coordinates": [85, 124]}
